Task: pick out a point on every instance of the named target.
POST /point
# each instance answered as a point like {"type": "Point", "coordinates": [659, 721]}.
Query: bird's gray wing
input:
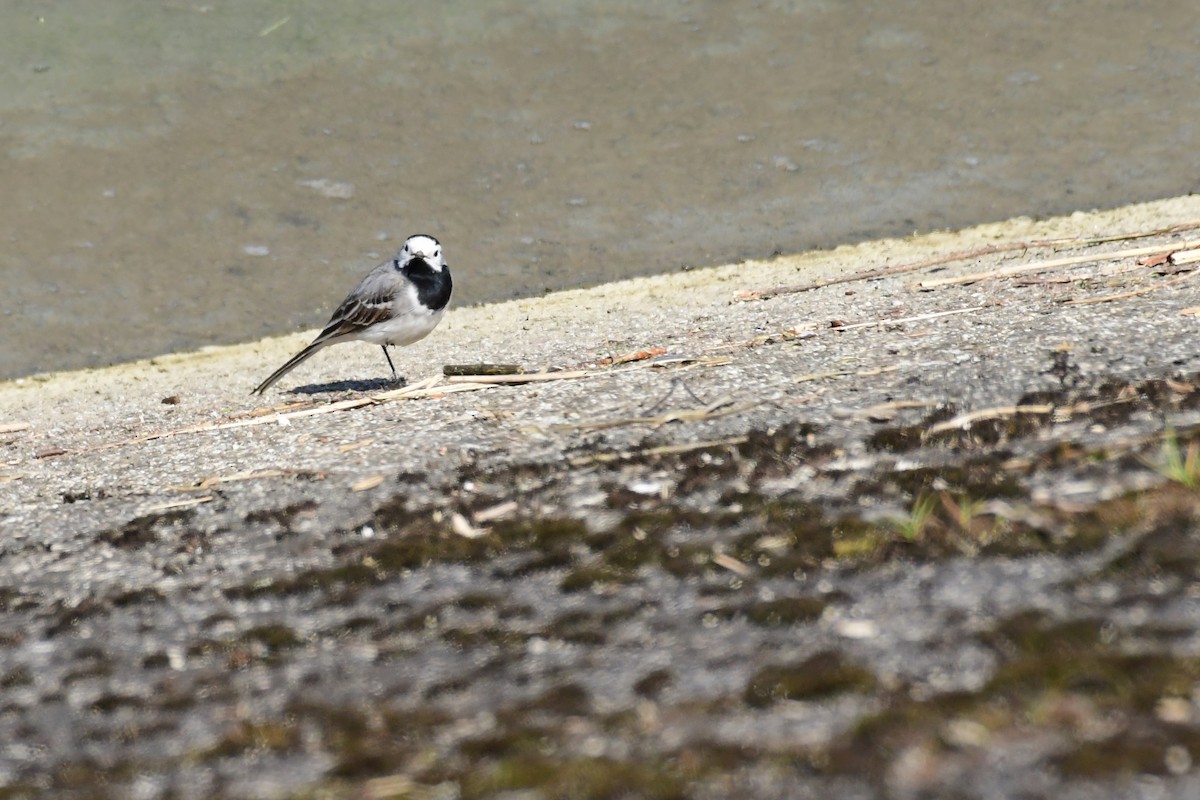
{"type": "Point", "coordinates": [372, 301]}
{"type": "Point", "coordinates": [384, 293]}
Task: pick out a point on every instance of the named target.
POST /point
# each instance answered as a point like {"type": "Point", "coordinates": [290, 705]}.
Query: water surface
{"type": "Point", "coordinates": [183, 174]}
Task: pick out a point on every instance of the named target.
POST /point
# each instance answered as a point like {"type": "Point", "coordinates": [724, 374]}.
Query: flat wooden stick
{"type": "Point", "coordinates": [1181, 257]}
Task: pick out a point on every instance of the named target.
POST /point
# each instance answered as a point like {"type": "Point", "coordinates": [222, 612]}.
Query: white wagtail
{"type": "Point", "coordinates": [399, 302]}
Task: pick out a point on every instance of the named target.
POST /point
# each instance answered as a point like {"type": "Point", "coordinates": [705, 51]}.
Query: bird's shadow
{"type": "Point", "coordinates": [349, 386]}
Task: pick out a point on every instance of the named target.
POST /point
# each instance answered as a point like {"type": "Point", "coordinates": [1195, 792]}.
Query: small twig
{"type": "Point", "coordinates": [664, 450]}
{"type": "Point", "coordinates": [675, 384]}
{"type": "Point", "coordinates": [794, 333]}
{"type": "Point", "coordinates": [963, 255]}
{"type": "Point", "coordinates": [861, 373]}
{"type": "Point", "coordinates": [462, 526]}
{"type": "Point", "coordinates": [730, 563]}
{"type": "Point", "coordinates": [1109, 450]}
{"type": "Point", "coordinates": [1045, 281]}
{"type": "Point", "coordinates": [493, 513]}
{"type": "Point", "coordinates": [366, 484]}
{"type": "Point", "coordinates": [708, 412]}
{"type": "Point", "coordinates": [663, 362]}
{"type": "Point", "coordinates": [1108, 298]}
{"type": "Point", "coordinates": [676, 449]}
{"type": "Point", "coordinates": [475, 370]}
{"type": "Point", "coordinates": [425, 388]}
{"type": "Point", "coordinates": [884, 272]}
{"type": "Point", "coordinates": [820, 376]}
{"type": "Point", "coordinates": [274, 26]}
{"type": "Point", "coordinates": [531, 377]}
{"type": "Point", "coordinates": [286, 407]}
{"type": "Point", "coordinates": [412, 390]}
{"type": "Point", "coordinates": [430, 387]}
{"type": "Point", "coordinates": [13, 427]}
{"type": "Point", "coordinates": [640, 355]}
{"type": "Point", "coordinates": [901, 320]}
{"type": "Point", "coordinates": [251, 475]}
{"type": "Point", "coordinates": [964, 421]}
{"type": "Point", "coordinates": [1056, 263]}
{"type": "Point", "coordinates": [886, 411]}
{"type": "Point", "coordinates": [767, 338]}
{"type": "Point", "coordinates": [191, 501]}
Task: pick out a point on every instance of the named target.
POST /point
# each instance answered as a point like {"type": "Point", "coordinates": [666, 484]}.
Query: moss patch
{"type": "Point", "coordinates": [1070, 676]}
{"type": "Point", "coordinates": [576, 778]}
{"type": "Point", "coordinates": [139, 532]}
{"type": "Point", "coordinates": [819, 676]}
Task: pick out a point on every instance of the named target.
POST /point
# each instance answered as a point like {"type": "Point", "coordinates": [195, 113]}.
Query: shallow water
{"type": "Point", "coordinates": [185, 174]}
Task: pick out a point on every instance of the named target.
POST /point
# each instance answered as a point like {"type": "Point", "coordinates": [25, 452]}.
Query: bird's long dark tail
{"type": "Point", "coordinates": [291, 364]}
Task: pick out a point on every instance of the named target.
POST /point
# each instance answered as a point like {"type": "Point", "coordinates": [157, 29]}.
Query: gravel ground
{"type": "Point", "coordinates": [864, 540]}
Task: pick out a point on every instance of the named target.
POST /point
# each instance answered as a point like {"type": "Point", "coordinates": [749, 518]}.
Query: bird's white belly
{"type": "Point", "coordinates": [405, 329]}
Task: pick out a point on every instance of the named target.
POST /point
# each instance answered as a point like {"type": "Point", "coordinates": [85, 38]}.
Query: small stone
{"type": "Point", "coordinates": [339, 190]}
{"type": "Point", "coordinates": [1176, 710]}
{"type": "Point", "coordinates": [856, 628]}
{"type": "Point", "coordinates": [784, 164]}
{"type": "Point", "coordinates": [1177, 759]}
{"type": "Point", "coordinates": [964, 733]}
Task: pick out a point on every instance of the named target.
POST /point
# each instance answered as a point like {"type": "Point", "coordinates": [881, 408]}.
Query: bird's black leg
{"type": "Point", "coordinates": [390, 364]}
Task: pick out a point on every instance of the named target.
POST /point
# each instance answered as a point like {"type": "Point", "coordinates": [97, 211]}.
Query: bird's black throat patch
{"type": "Point", "coordinates": [433, 286]}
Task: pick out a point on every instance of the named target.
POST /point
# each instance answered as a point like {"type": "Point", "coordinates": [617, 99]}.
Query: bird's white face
{"type": "Point", "coordinates": [424, 247]}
